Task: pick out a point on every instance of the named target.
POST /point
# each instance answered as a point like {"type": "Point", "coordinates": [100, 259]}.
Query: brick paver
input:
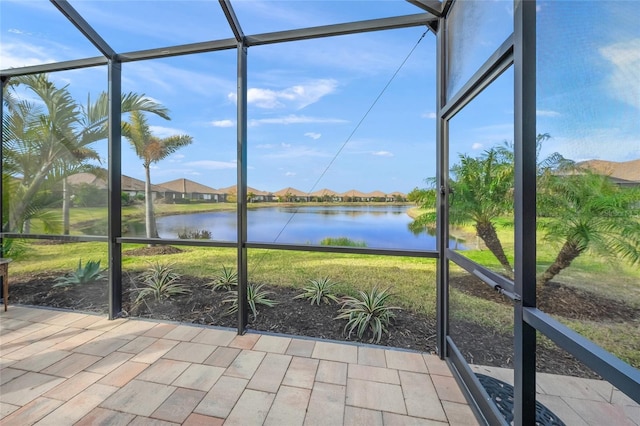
{"type": "Point", "coordinates": [67, 368]}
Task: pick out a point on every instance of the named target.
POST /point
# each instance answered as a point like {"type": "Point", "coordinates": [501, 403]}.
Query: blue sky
{"type": "Point", "coordinates": [307, 98]}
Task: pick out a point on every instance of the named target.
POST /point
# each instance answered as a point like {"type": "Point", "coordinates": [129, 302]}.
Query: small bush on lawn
{"type": "Point", "coordinates": [160, 282]}
{"type": "Point", "coordinates": [197, 234]}
{"type": "Point", "coordinates": [86, 274]}
{"type": "Point", "coordinates": [342, 241]}
{"type": "Point", "coordinates": [318, 290]}
{"type": "Point", "coordinates": [255, 296]}
{"type": "Point", "coordinates": [368, 311]}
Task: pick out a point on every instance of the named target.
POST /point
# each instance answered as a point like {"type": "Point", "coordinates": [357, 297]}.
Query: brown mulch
{"type": "Point", "coordinates": [410, 330]}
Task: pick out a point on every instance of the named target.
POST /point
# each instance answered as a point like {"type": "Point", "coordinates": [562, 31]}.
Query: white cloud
{"type": "Point", "coordinates": [625, 77]}
{"type": "Point", "coordinates": [298, 96]}
{"type": "Point", "coordinates": [313, 135]}
{"type": "Point", "coordinates": [176, 158]}
{"type": "Point", "coordinates": [298, 152]}
{"type": "Point", "coordinates": [290, 174]}
{"type": "Point", "coordinates": [431, 115]}
{"type": "Point", "coordinates": [223, 123]}
{"type": "Point", "coordinates": [382, 153]}
{"type": "Point", "coordinates": [20, 54]}
{"type": "Point", "coordinates": [596, 144]}
{"type": "Point", "coordinates": [17, 31]}
{"type": "Point", "coordinates": [213, 165]}
{"type": "Point", "coordinates": [285, 145]}
{"type": "Point", "coordinates": [165, 132]}
{"type": "Point", "coordinates": [152, 75]}
{"type": "Point", "coordinates": [476, 146]}
{"type": "Point", "coordinates": [295, 119]}
{"type": "Point", "coordinates": [547, 113]}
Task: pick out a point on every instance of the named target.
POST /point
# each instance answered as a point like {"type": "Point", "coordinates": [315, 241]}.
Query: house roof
{"type": "Point", "coordinates": [626, 170]}
{"type": "Point", "coordinates": [188, 186]}
{"type": "Point", "coordinates": [376, 194]}
{"type": "Point", "coordinates": [87, 179]}
{"type": "Point", "coordinates": [291, 191]}
{"type": "Point", "coordinates": [353, 193]}
{"type": "Point", "coordinates": [323, 192]}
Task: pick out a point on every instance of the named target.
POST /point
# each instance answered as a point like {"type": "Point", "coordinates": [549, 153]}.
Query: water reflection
{"type": "Point", "coordinates": [377, 226]}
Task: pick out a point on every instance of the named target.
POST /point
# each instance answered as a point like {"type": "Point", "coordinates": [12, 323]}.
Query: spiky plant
{"type": "Point", "coordinates": [368, 311]}
{"type": "Point", "coordinates": [255, 296]}
{"type": "Point", "coordinates": [226, 280]}
{"type": "Point", "coordinates": [86, 274]}
{"type": "Point", "coordinates": [160, 282]}
{"type": "Point", "coordinates": [318, 290]}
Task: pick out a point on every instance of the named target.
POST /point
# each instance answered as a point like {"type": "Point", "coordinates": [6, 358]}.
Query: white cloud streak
{"type": "Point", "coordinates": [223, 123]}
{"type": "Point", "coordinates": [382, 153]}
{"type": "Point", "coordinates": [313, 135]}
{"type": "Point", "coordinates": [212, 165]}
{"type": "Point", "coordinates": [298, 96]}
{"type": "Point", "coordinates": [165, 132]}
{"type": "Point", "coordinates": [625, 78]}
{"type": "Point", "coordinates": [295, 119]}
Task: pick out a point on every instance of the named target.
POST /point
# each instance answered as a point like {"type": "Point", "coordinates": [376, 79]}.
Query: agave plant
{"type": "Point", "coordinates": [369, 311]}
{"type": "Point", "coordinates": [318, 290]}
{"type": "Point", "coordinates": [86, 274]}
{"type": "Point", "coordinates": [255, 296]}
{"type": "Point", "coordinates": [160, 282]}
{"type": "Point", "coordinates": [226, 280]}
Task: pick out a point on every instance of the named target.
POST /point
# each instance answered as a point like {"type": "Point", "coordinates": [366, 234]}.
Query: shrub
{"type": "Point", "coordinates": [226, 280]}
{"type": "Point", "coordinates": [86, 274]}
{"type": "Point", "coordinates": [188, 234]}
{"type": "Point", "coordinates": [342, 241]}
{"type": "Point", "coordinates": [13, 248]}
{"type": "Point", "coordinates": [255, 296]}
{"type": "Point", "coordinates": [318, 290]}
{"type": "Point", "coordinates": [160, 282]}
{"type": "Point", "coordinates": [369, 311]}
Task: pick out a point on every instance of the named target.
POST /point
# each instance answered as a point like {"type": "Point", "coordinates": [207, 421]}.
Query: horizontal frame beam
{"type": "Point", "coordinates": [406, 21]}
{"type": "Point", "coordinates": [183, 49]}
{"type": "Point", "coordinates": [614, 370]}
{"type": "Point", "coordinates": [176, 242]}
{"type": "Point", "coordinates": [430, 254]}
{"type": "Point", "coordinates": [57, 66]}
{"type": "Point", "coordinates": [56, 237]}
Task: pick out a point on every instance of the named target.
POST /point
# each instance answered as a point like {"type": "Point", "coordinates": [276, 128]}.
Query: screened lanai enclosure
{"type": "Point", "coordinates": [470, 169]}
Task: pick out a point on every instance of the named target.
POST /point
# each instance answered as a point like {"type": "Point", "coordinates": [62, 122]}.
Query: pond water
{"type": "Point", "coordinates": [377, 226]}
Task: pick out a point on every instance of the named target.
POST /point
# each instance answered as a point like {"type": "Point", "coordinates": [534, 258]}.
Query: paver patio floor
{"type": "Point", "coordinates": [66, 368]}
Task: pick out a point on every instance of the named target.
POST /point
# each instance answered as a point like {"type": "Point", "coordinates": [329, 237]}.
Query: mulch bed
{"type": "Point", "coordinates": [409, 330]}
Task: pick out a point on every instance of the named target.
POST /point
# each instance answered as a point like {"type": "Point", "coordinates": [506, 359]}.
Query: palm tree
{"type": "Point", "coordinates": [587, 212]}
{"type": "Point", "coordinates": [482, 192]}
{"type": "Point", "coordinates": [46, 140]}
{"type": "Point", "coordinates": [150, 149]}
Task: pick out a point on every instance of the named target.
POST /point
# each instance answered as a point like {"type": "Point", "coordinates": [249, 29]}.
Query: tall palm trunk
{"type": "Point", "coordinates": [569, 251]}
{"type": "Point", "coordinates": [488, 233]}
{"type": "Point", "coordinates": [66, 204]}
{"type": "Point", "coordinates": [150, 220]}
